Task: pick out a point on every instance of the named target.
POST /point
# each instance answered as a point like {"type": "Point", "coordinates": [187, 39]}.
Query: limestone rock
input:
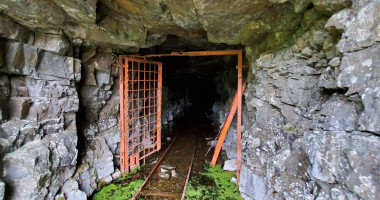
{"type": "Point", "coordinates": [19, 107]}
{"type": "Point", "coordinates": [230, 165]}
{"type": "Point", "coordinates": [71, 191]}
{"type": "Point", "coordinates": [58, 67]}
{"type": "Point", "coordinates": [340, 114]}
{"type": "Point", "coordinates": [26, 171]}
{"type": "Point", "coordinates": [326, 152]}
{"type": "Point", "coordinates": [12, 30]}
{"type": "Point", "coordinates": [163, 175]}
{"type": "Point", "coordinates": [249, 179]}
{"type": "Point", "coordinates": [307, 52]}
{"type": "Point", "coordinates": [79, 11]}
{"type": "Point", "coordinates": [358, 72]}
{"type": "Point", "coordinates": [116, 175]}
{"type": "Point", "coordinates": [2, 190]}
{"type": "Point", "coordinates": [335, 62]}
{"type": "Point", "coordinates": [363, 159]}
{"type": "Point", "coordinates": [168, 166]}
{"type": "Point", "coordinates": [55, 43]}
{"type": "Point", "coordinates": [44, 14]}
{"type": "Point", "coordinates": [362, 27]}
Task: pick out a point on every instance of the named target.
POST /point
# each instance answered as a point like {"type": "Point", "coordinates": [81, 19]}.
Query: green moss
{"type": "Point", "coordinates": [201, 187]}
{"type": "Point", "coordinates": [130, 174]}
{"type": "Point", "coordinates": [118, 191]}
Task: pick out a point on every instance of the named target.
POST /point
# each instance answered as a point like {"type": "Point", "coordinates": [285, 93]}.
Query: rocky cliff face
{"type": "Point", "coordinates": [310, 126]}
{"type": "Point", "coordinates": [311, 109]}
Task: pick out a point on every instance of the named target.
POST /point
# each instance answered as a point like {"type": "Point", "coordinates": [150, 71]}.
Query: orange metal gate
{"type": "Point", "coordinates": [140, 110]}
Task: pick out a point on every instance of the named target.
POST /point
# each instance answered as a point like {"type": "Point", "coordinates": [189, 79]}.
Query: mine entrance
{"type": "Point", "coordinates": [133, 147]}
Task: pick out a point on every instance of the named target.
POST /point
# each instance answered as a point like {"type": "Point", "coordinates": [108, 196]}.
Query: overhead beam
{"type": "Point", "coordinates": [192, 53]}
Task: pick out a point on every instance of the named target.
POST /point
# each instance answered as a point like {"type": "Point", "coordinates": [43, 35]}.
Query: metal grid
{"type": "Point", "coordinates": [140, 110]}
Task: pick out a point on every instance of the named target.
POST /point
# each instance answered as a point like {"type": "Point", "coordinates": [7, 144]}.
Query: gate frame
{"type": "Point", "coordinates": [123, 92]}
{"type": "Point", "coordinates": [239, 67]}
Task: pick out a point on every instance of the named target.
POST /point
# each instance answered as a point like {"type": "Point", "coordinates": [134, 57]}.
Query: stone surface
{"type": "Point", "coordinates": [310, 111]}
{"type": "Point", "coordinates": [57, 67]}
{"type": "Point", "coordinates": [2, 190]}
{"type": "Point", "coordinates": [163, 175]}
{"type": "Point", "coordinates": [230, 165]}
{"type": "Point", "coordinates": [55, 43]}
{"type": "Point", "coordinates": [71, 191]}
{"type": "Point", "coordinates": [27, 172]}
{"type": "Point", "coordinates": [129, 24]}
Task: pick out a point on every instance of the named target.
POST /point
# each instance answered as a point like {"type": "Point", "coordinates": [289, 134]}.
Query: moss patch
{"type": "Point", "coordinates": [118, 191]}
{"type": "Point", "coordinates": [214, 183]}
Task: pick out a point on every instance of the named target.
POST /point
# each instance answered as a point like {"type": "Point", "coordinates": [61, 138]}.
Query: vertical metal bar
{"type": "Point", "coordinates": [226, 126]}
{"type": "Point", "coordinates": [240, 77]}
{"type": "Point", "coordinates": [159, 91]}
{"type": "Point", "coordinates": [132, 116]}
{"type": "Point", "coordinates": [122, 125]}
{"type": "Point", "coordinates": [125, 116]}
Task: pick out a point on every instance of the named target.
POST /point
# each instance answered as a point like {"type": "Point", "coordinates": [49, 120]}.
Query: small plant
{"type": "Point", "coordinates": [214, 183]}
{"type": "Point", "coordinates": [118, 191]}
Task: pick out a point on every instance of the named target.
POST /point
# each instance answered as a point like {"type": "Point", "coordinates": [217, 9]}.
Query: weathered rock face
{"type": "Point", "coordinates": [39, 101]}
{"type": "Point", "coordinates": [310, 122]}
{"type": "Point", "coordinates": [129, 24]}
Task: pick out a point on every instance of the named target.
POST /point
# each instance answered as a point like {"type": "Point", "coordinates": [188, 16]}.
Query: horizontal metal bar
{"type": "Point", "coordinates": [193, 53]}
{"type": "Point", "coordinates": [135, 59]}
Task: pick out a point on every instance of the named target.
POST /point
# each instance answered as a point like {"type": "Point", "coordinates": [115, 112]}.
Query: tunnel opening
{"type": "Point", "coordinates": [189, 94]}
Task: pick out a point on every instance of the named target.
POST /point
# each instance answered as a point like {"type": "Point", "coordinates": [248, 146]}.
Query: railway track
{"type": "Point", "coordinates": [169, 177]}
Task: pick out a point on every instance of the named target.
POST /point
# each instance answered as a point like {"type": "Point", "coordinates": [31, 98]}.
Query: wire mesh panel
{"type": "Point", "coordinates": [140, 110]}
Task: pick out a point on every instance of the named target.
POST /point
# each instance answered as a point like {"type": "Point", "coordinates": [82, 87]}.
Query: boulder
{"type": "Point", "coordinates": [230, 165]}
{"type": "Point", "coordinates": [251, 185]}
{"type": "Point", "coordinates": [19, 107]}
{"type": "Point", "coordinates": [27, 171]}
{"type": "Point", "coordinates": [359, 74]}
{"type": "Point", "coordinates": [71, 191]}
{"type": "Point", "coordinates": [103, 158]}
{"type": "Point", "coordinates": [54, 43]}
{"type": "Point", "coordinates": [58, 67]}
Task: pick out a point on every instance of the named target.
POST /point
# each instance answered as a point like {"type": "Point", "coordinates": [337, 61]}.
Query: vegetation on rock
{"type": "Point", "coordinates": [214, 183]}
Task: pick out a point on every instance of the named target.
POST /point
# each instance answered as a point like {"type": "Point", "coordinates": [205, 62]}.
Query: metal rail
{"type": "Point", "coordinates": [189, 172]}
{"type": "Point", "coordinates": [152, 171]}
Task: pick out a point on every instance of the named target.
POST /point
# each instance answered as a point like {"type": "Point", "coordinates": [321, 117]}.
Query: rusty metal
{"type": "Point", "coordinates": [189, 172]}
{"type": "Point", "coordinates": [153, 170]}
{"type": "Point", "coordinates": [240, 93]}
{"type": "Point", "coordinates": [226, 126]}
{"type": "Point", "coordinates": [161, 194]}
{"type": "Point", "coordinates": [140, 110]}
{"type": "Point", "coordinates": [193, 53]}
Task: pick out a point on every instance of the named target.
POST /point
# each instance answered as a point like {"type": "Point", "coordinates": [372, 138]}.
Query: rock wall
{"type": "Point", "coordinates": [38, 105]}
{"type": "Point", "coordinates": [311, 113]}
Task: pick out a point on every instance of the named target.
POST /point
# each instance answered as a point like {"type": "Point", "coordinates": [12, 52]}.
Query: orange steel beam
{"type": "Point", "coordinates": [121, 93]}
{"type": "Point", "coordinates": [159, 91]}
{"type": "Point", "coordinates": [240, 93]}
{"type": "Point", "coordinates": [193, 53]}
{"type": "Point", "coordinates": [225, 127]}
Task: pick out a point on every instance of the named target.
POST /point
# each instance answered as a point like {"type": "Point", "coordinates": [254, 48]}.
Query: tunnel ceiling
{"type": "Point", "coordinates": [134, 24]}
